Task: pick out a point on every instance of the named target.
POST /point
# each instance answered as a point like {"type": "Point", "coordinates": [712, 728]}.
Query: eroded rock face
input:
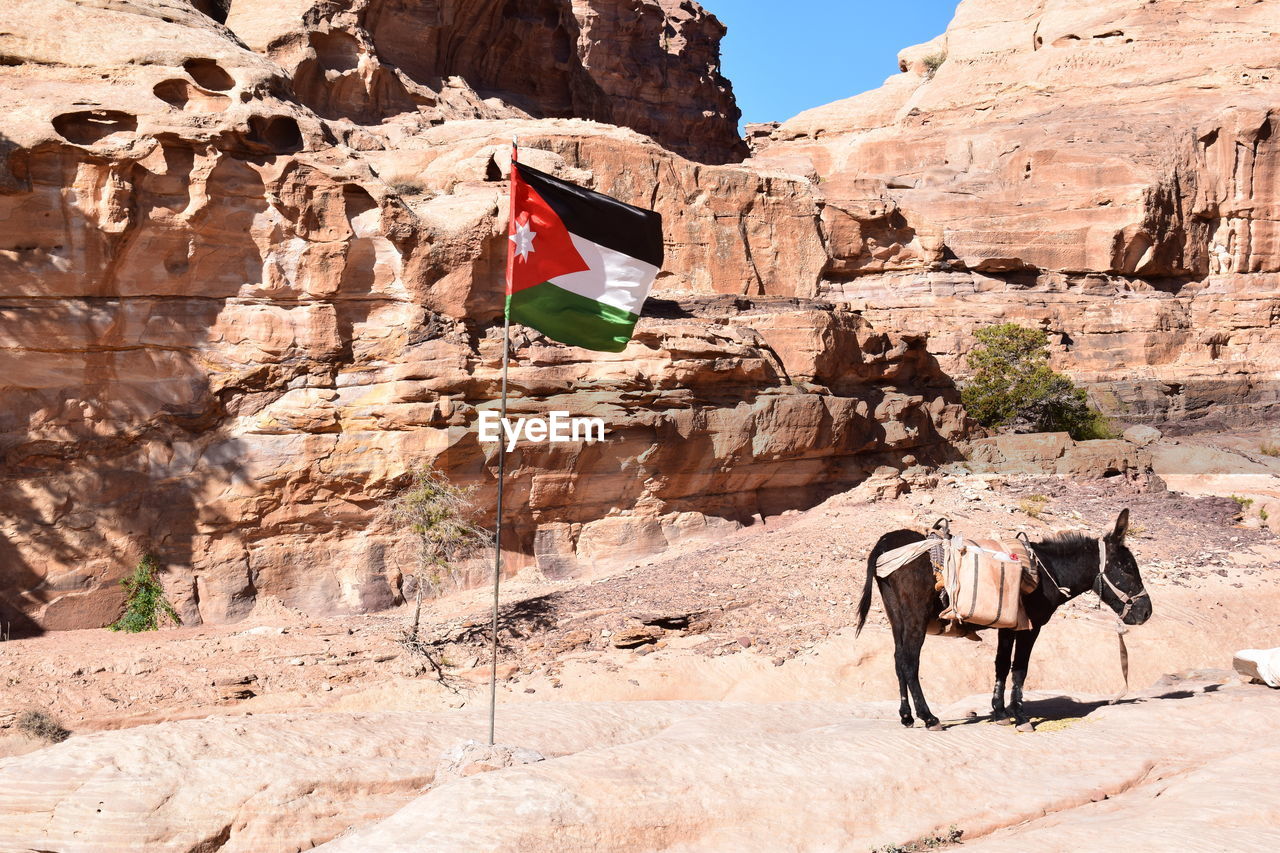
{"type": "Point", "coordinates": [370, 60]}
{"type": "Point", "coordinates": [252, 262]}
{"type": "Point", "coordinates": [233, 324]}
{"type": "Point", "coordinates": [1106, 172]}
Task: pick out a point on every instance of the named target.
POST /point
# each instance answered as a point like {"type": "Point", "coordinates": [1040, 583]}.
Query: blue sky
{"type": "Point", "coordinates": [784, 58]}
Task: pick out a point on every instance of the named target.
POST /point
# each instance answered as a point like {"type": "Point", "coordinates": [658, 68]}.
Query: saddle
{"type": "Point", "coordinates": [982, 581]}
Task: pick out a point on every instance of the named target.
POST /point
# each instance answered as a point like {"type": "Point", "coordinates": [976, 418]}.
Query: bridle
{"type": "Point", "coordinates": [1125, 598]}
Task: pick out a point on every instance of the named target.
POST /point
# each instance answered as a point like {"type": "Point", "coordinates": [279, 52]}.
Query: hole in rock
{"type": "Point", "coordinates": [90, 126]}
{"type": "Point", "coordinates": [492, 171]}
{"type": "Point", "coordinates": [180, 94]}
{"type": "Point", "coordinates": [336, 51]}
{"type": "Point", "coordinates": [357, 200]}
{"type": "Point", "coordinates": [561, 47]}
{"type": "Point", "coordinates": [172, 92]}
{"type": "Point", "coordinates": [209, 74]}
{"type": "Point", "coordinates": [279, 134]}
{"type": "Point", "coordinates": [216, 9]}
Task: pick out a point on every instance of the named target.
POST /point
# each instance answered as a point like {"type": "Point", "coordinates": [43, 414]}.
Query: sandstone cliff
{"type": "Point", "coordinates": [235, 314]}
{"type": "Point", "coordinates": [1108, 171]}
{"type": "Point", "coordinates": [250, 266]}
{"type": "Point", "coordinates": [371, 60]}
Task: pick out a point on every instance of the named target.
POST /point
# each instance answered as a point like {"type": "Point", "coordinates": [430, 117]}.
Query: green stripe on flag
{"type": "Point", "coordinates": [572, 319]}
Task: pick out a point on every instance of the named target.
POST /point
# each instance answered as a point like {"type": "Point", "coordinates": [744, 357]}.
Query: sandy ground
{"type": "Point", "coordinates": [760, 617]}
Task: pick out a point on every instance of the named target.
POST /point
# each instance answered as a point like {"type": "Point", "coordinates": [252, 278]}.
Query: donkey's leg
{"type": "Point", "coordinates": [922, 707]}
{"type": "Point", "coordinates": [900, 663]}
{"type": "Point", "coordinates": [893, 610]}
{"type": "Point", "coordinates": [912, 641]}
{"type": "Point", "coordinates": [1025, 640]}
{"type": "Point", "coordinates": [1004, 657]}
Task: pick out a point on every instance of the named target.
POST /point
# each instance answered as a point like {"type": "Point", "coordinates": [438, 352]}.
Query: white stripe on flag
{"type": "Point", "coordinates": [615, 278]}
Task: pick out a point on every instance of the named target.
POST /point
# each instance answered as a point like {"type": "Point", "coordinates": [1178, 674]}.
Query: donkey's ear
{"type": "Point", "coordinates": [1122, 526]}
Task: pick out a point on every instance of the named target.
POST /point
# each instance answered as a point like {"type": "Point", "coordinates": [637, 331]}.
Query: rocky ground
{"type": "Point", "coordinates": [715, 636]}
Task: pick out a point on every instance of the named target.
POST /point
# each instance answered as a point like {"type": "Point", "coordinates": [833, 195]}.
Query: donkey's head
{"type": "Point", "coordinates": [1119, 583]}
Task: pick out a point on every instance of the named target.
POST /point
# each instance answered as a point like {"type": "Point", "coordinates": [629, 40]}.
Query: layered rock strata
{"type": "Point", "coordinates": [1107, 173]}
{"type": "Point", "coordinates": [252, 260]}
{"type": "Point", "coordinates": [232, 325]}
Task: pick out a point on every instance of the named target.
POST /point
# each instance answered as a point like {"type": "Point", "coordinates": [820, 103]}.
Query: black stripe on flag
{"type": "Point", "coordinates": [597, 217]}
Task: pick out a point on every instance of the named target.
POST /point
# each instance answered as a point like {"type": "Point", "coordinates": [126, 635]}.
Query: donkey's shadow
{"type": "Point", "coordinates": [1066, 709]}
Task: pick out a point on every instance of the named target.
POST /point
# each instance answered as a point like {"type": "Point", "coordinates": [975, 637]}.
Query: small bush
{"type": "Point", "coordinates": [1013, 386]}
{"type": "Point", "coordinates": [408, 188]}
{"type": "Point", "coordinates": [145, 603]}
{"type": "Point", "coordinates": [438, 513]}
{"type": "Point", "coordinates": [1093, 425]}
{"type": "Point", "coordinates": [1262, 514]}
{"type": "Point", "coordinates": [932, 63]}
{"type": "Point", "coordinates": [43, 726]}
{"type": "Point", "coordinates": [1243, 503]}
{"type": "Point", "coordinates": [1033, 505]}
{"type": "Point", "coordinates": [1269, 449]}
{"type": "Point", "coordinates": [950, 836]}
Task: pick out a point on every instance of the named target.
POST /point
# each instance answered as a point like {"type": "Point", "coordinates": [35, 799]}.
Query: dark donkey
{"type": "Point", "coordinates": [1071, 564]}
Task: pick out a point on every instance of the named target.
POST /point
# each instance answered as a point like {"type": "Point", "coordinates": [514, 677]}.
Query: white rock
{"type": "Point", "coordinates": [471, 757]}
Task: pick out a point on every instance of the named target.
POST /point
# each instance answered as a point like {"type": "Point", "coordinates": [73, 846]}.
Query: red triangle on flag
{"type": "Point", "coordinates": [538, 245]}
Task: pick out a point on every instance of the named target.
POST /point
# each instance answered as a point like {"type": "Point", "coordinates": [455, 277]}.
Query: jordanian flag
{"type": "Point", "coordinates": [580, 263]}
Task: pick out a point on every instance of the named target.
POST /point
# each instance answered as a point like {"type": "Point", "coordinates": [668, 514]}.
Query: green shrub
{"type": "Point", "coordinates": [1269, 449]}
{"type": "Point", "coordinates": [43, 726]}
{"type": "Point", "coordinates": [145, 603]}
{"type": "Point", "coordinates": [1013, 386]}
{"type": "Point", "coordinates": [933, 62]}
{"type": "Point", "coordinates": [438, 514]}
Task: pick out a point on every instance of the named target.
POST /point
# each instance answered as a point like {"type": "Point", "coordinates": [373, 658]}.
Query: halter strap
{"type": "Point", "coordinates": [1125, 598]}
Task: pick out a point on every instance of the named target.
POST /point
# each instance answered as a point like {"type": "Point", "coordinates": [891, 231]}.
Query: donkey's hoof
{"type": "Point", "coordinates": [1002, 721]}
{"type": "Point", "coordinates": [907, 722]}
{"type": "Point", "coordinates": [1026, 727]}
{"type": "Point", "coordinates": [936, 727]}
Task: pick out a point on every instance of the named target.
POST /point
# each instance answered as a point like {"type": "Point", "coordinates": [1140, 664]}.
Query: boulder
{"type": "Point", "coordinates": [630, 638]}
{"type": "Point", "coordinates": [1102, 458]}
{"type": "Point", "coordinates": [1142, 435]}
{"type": "Point", "coordinates": [1055, 453]}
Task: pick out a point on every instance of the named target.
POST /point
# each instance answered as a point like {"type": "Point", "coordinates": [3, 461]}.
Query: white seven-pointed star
{"type": "Point", "coordinates": [523, 238]}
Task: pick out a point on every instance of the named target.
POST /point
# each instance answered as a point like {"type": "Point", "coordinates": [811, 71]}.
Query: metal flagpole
{"type": "Point", "coordinates": [502, 465]}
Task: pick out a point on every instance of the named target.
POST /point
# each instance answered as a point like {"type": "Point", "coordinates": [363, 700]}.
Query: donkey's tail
{"type": "Point", "coordinates": [864, 606]}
